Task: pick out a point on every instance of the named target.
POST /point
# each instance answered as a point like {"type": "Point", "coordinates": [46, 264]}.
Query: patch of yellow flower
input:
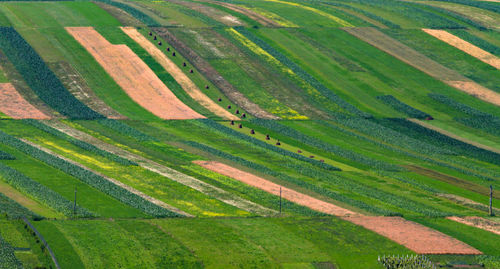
{"type": "Point", "coordinates": [317, 11]}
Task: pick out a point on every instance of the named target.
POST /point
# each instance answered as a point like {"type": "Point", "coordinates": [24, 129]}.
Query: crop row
{"type": "Point", "coordinates": [83, 145]}
{"type": "Point", "coordinates": [416, 131]}
{"type": "Point", "coordinates": [126, 130]}
{"type": "Point", "coordinates": [287, 131]}
{"type": "Point", "coordinates": [6, 156]}
{"type": "Point", "coordinates": [487, 124]}
{"type": "Point", "coordinates": [327, 193]}
{"type": "Point", "coordinates": [40, 192]}
{"type": "Point", "coordinates": [232, 133]}
{"type": "Point", "coordinates": [40, 78]}
{"type": "Point", "coordinates": [8, 259]}
{"type": "Point", "coordinates": [367, 14]}
{"type": "Point", "coordinates": [14, 210]}
{"type": "Point", "coordinates": [479, 4]}
{"type": "Point", "coordinates": [329, 94]}
{"type": "Point", "coordinates": [402, 107]}
{"type": "Point", "coordinates": [132, 11]}
{"type": "Point", "coordinates": [458, 106]}
{"type": "Point", "coordinates": [338, 180]}
{"type": "Point", "coordinates": [455, 16]}
{"type": "Point", "coordinates": [88, 177]}
{"type": "Point", "coordinates": [485, 45]}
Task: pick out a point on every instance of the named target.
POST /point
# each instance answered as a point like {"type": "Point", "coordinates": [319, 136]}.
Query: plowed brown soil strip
{"type": "Point", "coordinates": [465, 47]}
{"type": "Point", "coordinates": [478, 222]}
{"type": "Point", "coordinates": [178, 75]}
{"type": "Point", "coordinates": [414, 236]}
{"type": "Point", "coordinates": [133, 75]}
{"type": "Point", "coordinates": [14, 105]}
{"type": "Point", "coordinates": [416, 59]}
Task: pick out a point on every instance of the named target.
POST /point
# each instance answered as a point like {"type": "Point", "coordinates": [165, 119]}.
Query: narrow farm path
{"type": "Point", "coordinates": [465, 46]}
{"type": "Point", "coordinates": [133, 75]}
{"type": "Point", "coordinates": [178, 75]}
{"type": "Point", "coordinates": [416, 59]}
{"type": "Point", "coordinates": [416, 237]}
{"type": "Point", "coordinates": [114, 181]}
{"type": "Point", "coordinates": [167, 172]}
{"type": "Point", "coordinates": [478, 222]}
{"type": "Point", "coordinates": [14, 105]}
{"type": "Point", "coordinates": [454, 136]}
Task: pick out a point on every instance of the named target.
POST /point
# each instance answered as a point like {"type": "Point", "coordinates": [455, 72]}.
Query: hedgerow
{"type": "Point", "coordinates": [6, 156]}
{"type": "Point", "coordinates": [40, 192]}
{"type": "Point", "coordinates": [141, 16]}
{"type": "Point", "coordinates": [7, 258]}
{"type": "Point", "coordinates": [298, 182]}
{"type": "Point", "coordinates": [88, 177]}
{"type": "Point", "coordinates": [14, 210]}
{"type": "Point", "coordinates": [228, 131]}
{"type": "Point", "coordinates": [125, 129]}
{"type": "Point", "coordinates": [367, 14]}
{"type": "Point", "coordinates": [402, 107]}
{"type": "Point", "coordinates": [329, 94]}
{"type": "Point", "coordinates": [290, 132]}
{"type": "Point", "coordinates": [40, 78]}
{"type": "Point", "coordinates": [81, 144]}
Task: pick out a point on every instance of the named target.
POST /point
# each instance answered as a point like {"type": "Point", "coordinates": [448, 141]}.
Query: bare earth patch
{"type": "Point", "coordinates": [273, 188]}
{"type": "Point", "coordinates": [465, 47]}
{"type": "Point", "coordinates": [414, 236]}
{"type": "Point", "coordinates": [416, 59]}
{"type": "Point", "coordinates": [133, 75]}
{"type": "Point", "coordinates": [478, 222]}
{"type": "Point", "coordinates": [14, 105]}
{"type": "Point", "coordinates": [178, 75]}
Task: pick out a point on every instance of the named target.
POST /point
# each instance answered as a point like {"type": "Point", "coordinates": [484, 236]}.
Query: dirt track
{"type": "Point", "coordinates": [414, 236]}
{"type": "Point", "coordinates": [478, 222]}
{"type": "Point", "coordinates": [465, 47]}
{"type": "Point", "coordinates": [14, 105]}
{"type": "Point", "coordinates": [416, 59]}
{"type": "Point", "coordinates": [178, 75]}
{"type": "Point", "coordinates": [133, 75]}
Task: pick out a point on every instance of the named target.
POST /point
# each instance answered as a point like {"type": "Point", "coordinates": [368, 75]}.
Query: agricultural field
{"type": "Point", "coordinates": [249, 134]}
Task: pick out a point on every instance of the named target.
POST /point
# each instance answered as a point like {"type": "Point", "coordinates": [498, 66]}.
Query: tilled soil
{"type": "Point", "coordinates": [14, 105]}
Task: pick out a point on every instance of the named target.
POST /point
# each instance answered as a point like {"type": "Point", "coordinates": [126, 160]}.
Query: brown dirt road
{"type": "Point", "coordinates": [465, 46]}
{"type": "Point", "coordinates": [415, 237]}
{"type": "Point", "coordinates": [14, 105]}
{"type": "Point", "coordinates": [178, 75]}
{"type": "Point", "coordinates": [133, 75]}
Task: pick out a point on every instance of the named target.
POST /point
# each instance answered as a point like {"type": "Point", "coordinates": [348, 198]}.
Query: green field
{"type": "Point", "coordinates": [347, 102]}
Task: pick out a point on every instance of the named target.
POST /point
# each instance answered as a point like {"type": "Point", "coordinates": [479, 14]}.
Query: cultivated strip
{"type": "Point", "coordinates": [133, 75]}
{"type": "Point", "coordinates": [465, 46]}
{"type": "Point", "coordinates": [14, 105]}
{"type": "Point", "coordinates": [408, 55]}
{"type": "Point", "coordinates": [211, 74]}
{"type": "Point", "coordinates": [414, 236]}
{"type": "Point", "coordinates": [179, 76]}
{"type": "Point", "coordinates": [478, 222]}
{"type": "Point", "coordinates": [114, 181]}
{"type": "Point", "coordinates": [247, 12]}
{"type": "Point", "coordinates": [170, 173]}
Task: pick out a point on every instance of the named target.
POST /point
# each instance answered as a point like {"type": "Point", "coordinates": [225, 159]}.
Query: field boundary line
{"type": "Point", "coordinates": [167, 172]}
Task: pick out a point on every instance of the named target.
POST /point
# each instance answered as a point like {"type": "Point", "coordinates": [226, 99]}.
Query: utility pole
{"type": "Point", "coordinates": [280, 200]}
{"type": "Point", "coordinates": [491, 201]}
{"type": "Point", "coordinates": [74, 206]}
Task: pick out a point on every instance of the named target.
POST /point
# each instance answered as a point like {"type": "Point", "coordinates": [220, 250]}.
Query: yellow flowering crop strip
{"type": "Point", "coordinates": [317, 11]}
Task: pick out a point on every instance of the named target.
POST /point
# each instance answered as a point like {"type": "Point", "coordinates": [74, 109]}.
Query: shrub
{"type": "Point", "coordinates": [402, 107]}
{"type": "Point", "coordinates": [40, 78]}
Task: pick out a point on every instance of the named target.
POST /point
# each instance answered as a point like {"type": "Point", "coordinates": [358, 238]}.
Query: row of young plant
{"type": "Point", "coordinates": [485, 45]}
{"type": "Point", "coordinates": [375, 130]}
{"type": "Point", "coordinates": [12, 210]}
{"type": "Point", "coordinates": [479, 4]}
{"type": "Point", "coordinates": [406, 262]}
{"type": "Point", "coordinates": [141, 16]}
{"type": "Point", "coordinates": [308, 78]}
{"type": "Point", "coordinates": [454, 15]}
{"type": "Point", "coordinates": [367, 14]}
{"type": "Point", "coordinates": [414, 130]}
{"type": "Point", "coordinates": [8, 259]}
{"type": "Point", "coordinates": [263, 169]}
{"type": "Point", "coordinates": [126, 130]}
{"type": "Point", "coordinates": [339, 181]}
{"type": "Point", "coordinates": [311, 141]}
{"type": "Point", "coordinates": [457, 105]}
{"type": "Point", "coordinates": [261, 144]}
{"type": "Point", "coordinates": [88, 177]}
{"type": "Point", "coordinates": [402, 107]}
{"type": "Point", "coordinates": [40, 78]}
{"type": "Point", "coordinates": [6, 156]}
{"type": "Point", "coordinates": [40, 192]}
{"type": "Point", "coordinates": [83, 145]}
